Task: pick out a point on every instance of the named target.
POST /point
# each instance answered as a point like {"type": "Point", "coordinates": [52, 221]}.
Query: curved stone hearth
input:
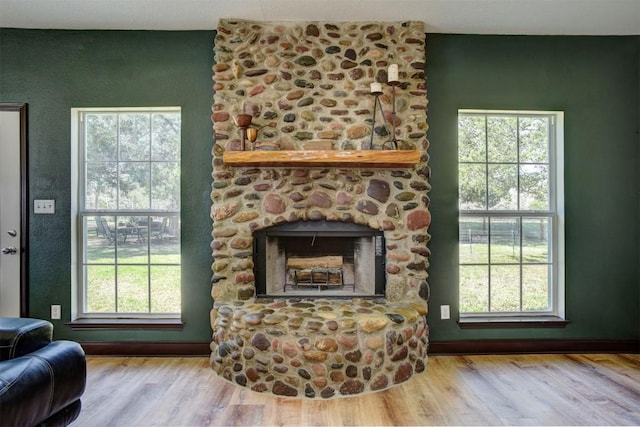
{"type": "Point", "coordinates": [318, 348]}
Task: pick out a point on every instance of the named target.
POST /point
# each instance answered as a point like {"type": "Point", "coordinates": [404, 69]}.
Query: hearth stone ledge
{"type": "Point", "coordinates": [318, 348]}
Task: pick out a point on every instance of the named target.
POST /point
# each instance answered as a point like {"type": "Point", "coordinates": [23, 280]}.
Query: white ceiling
{"type": "Point", "coordinates": [571, 17]}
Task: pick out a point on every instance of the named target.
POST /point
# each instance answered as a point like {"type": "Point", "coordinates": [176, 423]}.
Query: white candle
{"type": "Point", "coordinates": [392, 73]}
{"type": "Point", "coordinates": [376, 88]}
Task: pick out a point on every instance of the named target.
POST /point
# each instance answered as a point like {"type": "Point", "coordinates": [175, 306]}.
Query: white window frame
{"type": "Point", "coordinates": [77, 196]}
{"type": "Point", "coordinates": [556, 213]}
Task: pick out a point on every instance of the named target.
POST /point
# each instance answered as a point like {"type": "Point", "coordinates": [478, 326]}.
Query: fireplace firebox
{"type": "Point", "coordinates": [321, 259]}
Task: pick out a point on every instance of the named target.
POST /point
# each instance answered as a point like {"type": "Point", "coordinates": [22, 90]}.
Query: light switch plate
{"type": "Point", "coordinates": [445, 312]}
{"type": "Point", "coordinates": [56, 312]}
{"type": "Point", "coordinates": [44, 206]}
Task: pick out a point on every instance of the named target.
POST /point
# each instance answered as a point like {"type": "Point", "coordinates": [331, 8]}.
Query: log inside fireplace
{"type": "Point", "coordinates": [319, 258]}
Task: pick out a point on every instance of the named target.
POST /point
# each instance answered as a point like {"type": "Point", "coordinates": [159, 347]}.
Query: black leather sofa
{"type": "Point", "coordinates": [41, 380]}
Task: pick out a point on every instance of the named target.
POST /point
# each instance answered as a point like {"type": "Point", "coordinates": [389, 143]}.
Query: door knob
{"type": "Point", "coordinates": [12, 233]}
{"type": "Point", "coordinates": [9, 250]}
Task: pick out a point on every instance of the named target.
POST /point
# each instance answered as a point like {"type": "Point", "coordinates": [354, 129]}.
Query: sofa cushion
{"type": "Point", "coordinates": [41, 384]}
{"type": "Point", "coordinates": [20, 336]}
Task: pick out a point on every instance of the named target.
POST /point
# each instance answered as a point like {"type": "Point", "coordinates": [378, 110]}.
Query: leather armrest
{"type": "Point", "coordinates": [35, 386]}
{"type": "Point", "coordinates": [20, 336]}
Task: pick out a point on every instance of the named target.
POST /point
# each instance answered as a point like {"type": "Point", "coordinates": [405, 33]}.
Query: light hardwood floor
{"type": "Point", "coordinates": [584, 389]}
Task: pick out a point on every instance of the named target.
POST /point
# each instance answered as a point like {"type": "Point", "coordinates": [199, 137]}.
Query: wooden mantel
{"type": "Point", "coordinates": [324, 158]}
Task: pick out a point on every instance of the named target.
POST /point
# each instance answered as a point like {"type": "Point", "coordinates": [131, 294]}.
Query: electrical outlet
{"type": "Point", "coordinates": [56, 312]}
{"type": "Point", "coordinates": [44, 206]}
{"type": "Point", "coordinates": [445, 312]}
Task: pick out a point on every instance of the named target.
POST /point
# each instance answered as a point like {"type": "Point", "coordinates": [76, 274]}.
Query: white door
{"type": "Point", "coordinates": [12, 136]}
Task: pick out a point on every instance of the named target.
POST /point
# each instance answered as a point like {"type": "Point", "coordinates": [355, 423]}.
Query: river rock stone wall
{"type": "Point", "coordinates": [306, 85]}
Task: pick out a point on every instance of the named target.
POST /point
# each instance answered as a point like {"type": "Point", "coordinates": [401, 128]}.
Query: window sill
{"type": "Point", "coordinates": [512, 322]}
{"type": "Point", "coordinates": [113, 323]}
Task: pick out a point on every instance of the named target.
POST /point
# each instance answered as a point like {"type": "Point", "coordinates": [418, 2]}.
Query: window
{"type": "Point", "coordinates": [127, 206]}
{"type": "Point", "coordinates": [511, 214]}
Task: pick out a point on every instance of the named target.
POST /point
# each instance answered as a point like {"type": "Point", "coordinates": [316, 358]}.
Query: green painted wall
{"type": "Point", "coordinates": [595, 80]}
{"type": "Point", "coordinates": [54, 71]}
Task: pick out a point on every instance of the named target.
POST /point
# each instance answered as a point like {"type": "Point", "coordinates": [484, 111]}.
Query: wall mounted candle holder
{"type": "Point", "coordinates": [376, 90]}
{"type": "Point", "coordinates": [248, 132]}
{"type": "Point", "coordinates": [243, 121]}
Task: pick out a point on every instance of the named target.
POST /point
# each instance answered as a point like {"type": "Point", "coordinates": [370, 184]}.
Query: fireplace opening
{"type": "Point", "coordinates": [319, 259]}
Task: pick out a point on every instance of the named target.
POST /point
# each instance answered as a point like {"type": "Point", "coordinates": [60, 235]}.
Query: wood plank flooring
{"type": "Point", "coordinates": [585, 389]}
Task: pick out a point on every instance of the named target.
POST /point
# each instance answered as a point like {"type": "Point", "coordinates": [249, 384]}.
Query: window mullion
{"type": "Point", "coordinates": [118, 140]}
{"type": "Point", "coordinates": [519, 193]}
{"type": "Point", "coordinates": [489, 262]}
{"type": "Point", "coordinates": [149, 163]}
{"type": "Point", "coordinates": [486, 168]}
{"type": "Point", "coordinates": [149, 285]}
{"type": "Point", "coordinates": [115, 278]}
{"type": "Point", "coordinates": [552, 163]}
{"type": "Point", "coordinates": [486, 163]}
{"type": "Point", "coordinates": [518, 162]}
{"type": "Point", "coordinates": [521, 259]}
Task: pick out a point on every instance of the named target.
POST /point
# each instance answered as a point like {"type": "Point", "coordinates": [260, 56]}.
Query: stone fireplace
{"type": "Point", "coordinates": [320, 266]}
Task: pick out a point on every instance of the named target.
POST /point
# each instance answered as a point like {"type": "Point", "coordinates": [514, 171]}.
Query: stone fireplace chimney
{"type": "Point", "coordinates": [307, 88]}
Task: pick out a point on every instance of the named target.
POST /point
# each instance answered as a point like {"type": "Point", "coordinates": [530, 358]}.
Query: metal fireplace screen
{"type": "Point", "coordinates": [319, 258]}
